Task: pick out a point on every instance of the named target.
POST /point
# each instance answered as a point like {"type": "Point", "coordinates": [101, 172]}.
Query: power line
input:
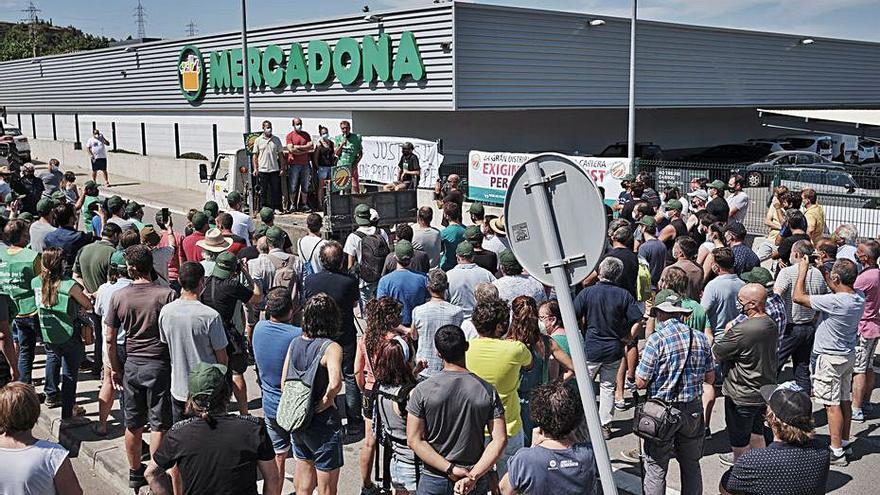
{"type": "Point", "coordinates": [140, 16]}
{"type": "Point", "coordinates": [191, 28]}
{"type": "Point", "coordinates": [31, 19]}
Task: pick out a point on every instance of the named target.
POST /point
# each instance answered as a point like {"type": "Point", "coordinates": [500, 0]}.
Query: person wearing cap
{"type": "Point", "coordinates": [738, 200]}
{"type": "Point", "coordinates": [794, 464]}
{"type": "Point", "coordinates": [162, 255]}
{"type": "Point", "coordinates": [214, 452]}
{"type": "Point", "coordinates": [117, 279]}
{"type": "Point", "coordinates": [625, 195]}
{"type": "Point", "coordinates": [18, 266]}
{"type": "Point", "coordinates": [747, 354]}
{"type": "Point", "coordinates": [675, 228]}
{"type": "Point", "coordinates": [482, 257]}
{"type": "Point", "coordinates": [66, 236]}
{"type": "Point", "coordinates": [190, 248]}
{"type": "Point", "coordinates": [242, 223]}
{"type": "Point", "coordinates": [135, 213]}
{"type": "Point", "coordinates": [266, 166]}
{"type": "Point", "coordinates": [675, 364]}
{"type": "Point", "coordinates": [744, 259]}
{"type": "Point", "coordinates": [464, 278]}
{"type": "Point", "coordinates": [451, 235]}
{"type": "Point", "coordinates": [44, 225]}
{"type": "Point", "coordinates": [834, 346]}
{"type": "Point", "coordinates": [51, 177]}
{"type": "Point", "coordinates": [30, 188]}
{"type": "Point", "coordinates": [675, 281]}
{"type": "Point", "coordinates": [774, 306]}
{"type": "Point", "coordinates": [211, 209]}
{"type": "Point", "coordinates": [299, 151]}
{"type": "Point", "coordinates": [267, 216]}
{"type": "Point", "coordinates": [88, 197]}
{"type": "Point", "coordinates": [652, 249]}
{"type": "Point", "coordinates": [366, 228]}
{"type": "Point", "coordinates": [477, 212]}
{"type": "Point", "coordinates": [116, 207]}
{"type": "Point", "coordinates": [698, 199]}
{"type": "Point", "coordinates": [420, 262]}
{"type": "Point", "coordinates": [227, 288]}
{"type": "Point", "coordinates": [514, 283]}
{"type": "Point", "coordinates": [496, 239]}
{"type": "Point", "coordinates": [403, 284]}
{"type": "Point", "coordinates": [427, 238]}
{"type": "Point", "coordinates": [408, 170]}
{"type": "Point", "coordinates": [717, 206]}
{"type": "Point", "coordinates": [211, 246]}
{"type": "Point", "coordinates": [611, 318]}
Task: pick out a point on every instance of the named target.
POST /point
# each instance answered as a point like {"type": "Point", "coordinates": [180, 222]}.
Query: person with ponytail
{"type": "Point", "coordinates": [213, 451]}
{"type": "Point", "coordinates": [383, 323]}
{"type": "Point", "coordinates": [59, 302]}
{"type": "Point", "coordinates": [524, 328]}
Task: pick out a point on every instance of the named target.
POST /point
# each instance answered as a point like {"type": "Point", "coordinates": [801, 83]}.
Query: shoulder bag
{"type": "Point", "coordinates": [656, 419]}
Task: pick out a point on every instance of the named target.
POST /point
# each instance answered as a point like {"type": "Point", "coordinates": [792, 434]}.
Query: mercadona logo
{"type": "Point", "coordinates": [191, 73]}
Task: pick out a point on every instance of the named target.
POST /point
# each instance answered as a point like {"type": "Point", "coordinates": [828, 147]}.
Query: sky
{"type": "Point", "coordinates": [849, 19]}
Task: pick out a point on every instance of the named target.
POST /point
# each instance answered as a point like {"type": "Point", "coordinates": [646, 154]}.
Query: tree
{"type": "Point", "coordinates": [15, 43]}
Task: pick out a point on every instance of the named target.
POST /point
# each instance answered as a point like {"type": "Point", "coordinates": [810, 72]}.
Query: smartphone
{"type": "Point", "coordinates": [165, 215]}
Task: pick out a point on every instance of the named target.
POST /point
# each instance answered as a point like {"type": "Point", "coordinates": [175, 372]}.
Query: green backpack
{"type": "Point", "coordinates": [643, 282]}
{"type": "Point", "coordinates": [297, 404]}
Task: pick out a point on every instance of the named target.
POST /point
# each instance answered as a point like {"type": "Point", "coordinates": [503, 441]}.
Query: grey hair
{"type": "Point", "coordinates": [846, 272]}
{"type": "Point", "coordinates": [485, 291]}
{"type": "Point", "coordinates": [803, 247]}
{"type": "Point", "coordinates": [848, 233]}
{"type": "Point", "coordinates": [610, 269]}
{"type": "Point", "coordinates": [872, 249]}
{"type": "Point", "coordinates": [437, 281]}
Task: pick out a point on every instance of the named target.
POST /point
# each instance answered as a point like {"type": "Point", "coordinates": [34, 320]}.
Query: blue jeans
{"type": "Point", "coordinates": [435, 485]}
{"type": "Point", "coordinates": [26, 330]}
{"type": "Point", "coordinates": [297, 177]}
{"type": "Point", "coordinates": [353, 397]}
{"type": "Point", "coordinates": [64, 359]}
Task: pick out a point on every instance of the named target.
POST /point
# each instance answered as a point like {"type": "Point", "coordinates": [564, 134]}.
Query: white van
{"type": "Point", "coordinates": [826, 145]}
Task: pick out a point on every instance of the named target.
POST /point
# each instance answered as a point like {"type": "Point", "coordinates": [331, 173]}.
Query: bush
{"type": "Point", "coordinates": [192, 155]}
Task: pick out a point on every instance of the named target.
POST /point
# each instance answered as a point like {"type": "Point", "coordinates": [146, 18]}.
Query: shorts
{"type": "Point", "coordinates": [238, 363]}
{"type": "Point", "coordinates": [147, 393]}
{"type": "Point", "coordinates": [99, 164]}
{"type": "Point", "coordinates": [832, 379]}
{"type": "Point", "coordinates": [321, 444]}
{"type": "Point", "coordinates": [743, 422]}
{"type": "Point", "coordinates": [281, 438]}
{"type": "Point", "coordinates": [367, 404]}
{"type": "Point", "coordinates": [298, 178]}
{"type": "Point", "coordinates": [864, 354]}
{"type": "Point", "coordinates": [324, 173]}
{"type": "Point", "coordinates": [403, 474]}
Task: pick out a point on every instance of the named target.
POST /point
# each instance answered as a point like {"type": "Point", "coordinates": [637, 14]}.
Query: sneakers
{"type": "Point", "coordinates": [606, 432]}
{"type": "Point", "coordinates": [371, 490]}
{"type": "Point", "coordinates": [858, 415]}
{"type": "Point", "coordinates": [630, 385]}
{"type": "Point", "coordinates": [53, 402]}
{"type": "Point", "coordinates": [726, 459]}
{"type": "Point", "coordinates": [631, 455]}
{"type": "Point", "coordinates": [620, 405]}
{"type": "Point", "coordinates": [840, 460]}
{"type": "Point", "coordinates": [136, 478]}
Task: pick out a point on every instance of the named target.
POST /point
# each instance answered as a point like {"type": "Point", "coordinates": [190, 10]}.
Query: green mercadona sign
{"type": "Point", "coordinates": [350, 61]}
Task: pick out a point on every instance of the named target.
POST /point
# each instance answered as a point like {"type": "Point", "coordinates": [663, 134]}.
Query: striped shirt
{"type": "Point", "coordinates": [662, 362]}
{"type": "Point", "coordinates": [426, 320]}
{"type": "Point", "coordinates": [784, 286]}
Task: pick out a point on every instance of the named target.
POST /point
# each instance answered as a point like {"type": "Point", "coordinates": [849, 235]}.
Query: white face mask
{"type": "Point", "coordinates": [298, 127]}
{"type": "Point", "coordinates": [542, 326]}
{"type": "Point", "coordinates": [325, 136]}
{"type": "Point", "coordinates": [268, 131]}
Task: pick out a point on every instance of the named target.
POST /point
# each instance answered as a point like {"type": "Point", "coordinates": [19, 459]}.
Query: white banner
{"type": "Point", "coordinates": [382, 154]}
{"type": "Point", "coordinates": [489, 173]}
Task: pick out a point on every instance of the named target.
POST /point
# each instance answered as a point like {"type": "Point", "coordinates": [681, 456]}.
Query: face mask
{"type": "Point", "coordinates": [542, 326]}
{"type": "Point", "coordinates": [666, 214]}
{"type": "Point", "coordinates": [298, 127]}
{"type": "Point", "coordinates": [267, 132]}
{"type": "Point", "coordinates": [325, 136]}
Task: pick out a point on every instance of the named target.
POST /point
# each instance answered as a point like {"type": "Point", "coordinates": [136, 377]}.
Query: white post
{"type": "Point", "coordinates": [631, 134]}
{"type": "Point", "coordinates": [244, 67]}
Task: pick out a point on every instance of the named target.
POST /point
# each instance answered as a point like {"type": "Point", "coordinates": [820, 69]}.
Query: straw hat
{"type": "Point", "coordinates": [214, 241]}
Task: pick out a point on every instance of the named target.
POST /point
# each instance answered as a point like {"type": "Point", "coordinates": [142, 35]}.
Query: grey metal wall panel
{"type": "Point", "coordinates": [93, 81]}
{"type": "Point", "coordinates": [519, 58]}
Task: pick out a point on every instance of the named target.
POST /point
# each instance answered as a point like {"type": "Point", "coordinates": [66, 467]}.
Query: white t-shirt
{"type": "Point", "coordinates": [267, 153]}
{"type": "Point", "coordinates": [309, 249]}
{"type": "Point", "coordinates": [31, 469]}
{"type": "Point", "coordinates": [99, 149]}
{"type": "Point", "coordinates": [242, 225]}
{"type": "Point", "coordinates": [353, 241]}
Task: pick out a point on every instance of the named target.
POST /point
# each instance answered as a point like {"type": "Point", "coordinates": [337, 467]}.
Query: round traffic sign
{"type": "Point", "coordinates": [577, 218]}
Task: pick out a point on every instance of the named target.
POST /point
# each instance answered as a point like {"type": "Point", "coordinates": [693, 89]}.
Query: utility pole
{"type": "Point", "coordinates": [140, 17]}
{"type": "Point", "coordinates": [31, 19]}
{"type": "Point", "coordinates": [631, 132]}
{"type": "Point", "coordinates": [191, 28]}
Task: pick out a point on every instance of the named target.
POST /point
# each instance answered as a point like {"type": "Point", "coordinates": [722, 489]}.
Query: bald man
{"type": "Point", "coordinates": [747, 353]}
{"type": "Point", "coordinates": [449, 192]}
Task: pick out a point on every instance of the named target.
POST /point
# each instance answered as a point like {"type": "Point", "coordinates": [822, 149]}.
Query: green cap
{"type": "Point", "coordinates": [362, 214]}
{"type": "Point", "coordinates": [114, 202]}
{"type": "Point", "coordinates": [507, 259]}
{"type": "Point", "coordinates": [234, 198]}
{"type": "Point", "coordinates": [90, 184]}
{"type": "Point", "coordinates": [133, 207]}
{"type": "Point", "coordinates": [403, 250]}
{"type": "Point", "coordinates": [117, 260]}
{"type": "Point", "coordinates": [211, 208]}
{"type": "Point", "coordinates": [464, 249]}
{"type": "Point", "coordinates": [260, 231]}
{"type": "Point", "coordinates": [44, 206]}
{"type": "Point", "coordinates": [26, 216]}
{"type": "Point", "coordinates": [674, 204]}
{"type": "Point", "coordinates": [477, 209]}
{"type": "Point", "coordinates": [58, 196]}
{"type": "Point", "coordinates": [473, 233]}
{"type": "Point", "coordinates": [628, 178]}
{"type": "Point", "coordinates": [758, 275]}
{"type": "Point", "coordinates": [274, 235]}
{"type": "Point", "coordinates": [199, 220]}
{"type": "Point", "coordinates": [267, 214]}
{"type": "Point", "coordinates": [665, 294]}
{"type": "Point", "coordinates": [225, 265]}
{"type": "Point", "coordinates": [206, 382]}
{"type": "Point", "coordinates": [717, 184]}
{"type": "Point", "coordinates": [648, 220]}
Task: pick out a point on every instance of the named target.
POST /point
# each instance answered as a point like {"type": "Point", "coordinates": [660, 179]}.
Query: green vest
{"type": "Point", "coordinates": [56, 322]}
{"type": "Point", "coordinates": [87, 219]}
{"type": "Point", "coordinates": [16, 273]}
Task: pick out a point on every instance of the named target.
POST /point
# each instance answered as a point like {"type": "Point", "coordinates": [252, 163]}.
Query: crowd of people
{"type": "Point", "coordinates": [434, 343]}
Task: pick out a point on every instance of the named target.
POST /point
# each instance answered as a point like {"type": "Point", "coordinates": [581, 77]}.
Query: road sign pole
{"type": "Point", "coordinates": [540, 198]}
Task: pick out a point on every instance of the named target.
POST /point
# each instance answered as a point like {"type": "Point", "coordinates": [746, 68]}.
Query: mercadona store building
{"type": "Point", "coordinates": [470, 77]}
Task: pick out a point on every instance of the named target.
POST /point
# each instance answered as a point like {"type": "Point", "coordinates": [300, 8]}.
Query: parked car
{"type": "Point", "coordinates": [869, 151]}
{"type": "Point", "coordinates": [822, 180]}
{"type": "Point", "coordinates": [729, 154]}
{"type": "Point", "coordinates": [9, 151]}
{"type": "Point", "coordinates": [645, 151]}
{"type": "Point", "coordinates": [760, 173]}
{"type": "Point", "coordinates": [21, 141]}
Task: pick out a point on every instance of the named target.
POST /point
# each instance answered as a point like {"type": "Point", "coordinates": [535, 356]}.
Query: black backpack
{"type": "Point", "coordinates": [374, 250]}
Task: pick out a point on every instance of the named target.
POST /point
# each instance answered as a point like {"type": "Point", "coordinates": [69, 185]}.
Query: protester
{"type": "Point", "coordinates": [420, 262]}
{"type": "Point", "coordinates": [738, 200]}
{"type": "Point", "coordinates": [190, 248]}
{"type": "Point", "coordinates": [162, 255]}
{"type": "Point", "coordinates": [324, 159]}
{"type": "Point", "coordinates": [499, 361]}
{"type": "Point", "coordinates": [846, 236]}
{"type": "Point", "coordinates": [774, 306]}
{"type": "Point", "coordinates": [428, 318]}
{"type": "Point", "coordinates": [408, 170]}
{"type": "Point", "coordinates": [349, 150]}
{"type": "Point", "coordinates": [213, 452]}
{"type": "Point", "coordinates": [651, 248]}
{"type": "Point", "coordinates": [448, 193]}
{"type": "Point", "coordinates": [169, 238]}
{"type": "Point", "coordinates": [44, 225]}
{"type": "Point", "coordinates": [427, 238]}
{"type": "Point", "coordinates": [8, 352]}
{"type": "Point", "coordinates": [868, 282]}
{"type": "Point", "coordinates": [451, 236]}
{"type": "Point", "coordinates": [403, 284]}
{"type": "Point", "coordinates": [464, 278]}
{"type": "Point", "coordinates": [744, 259]}
{"type": "Point", "coordinates": [366, 248]}
{"type": "Point", "coordinates": [298, 164]}
{"type": "Point", "coordinates": [242, 223]}
{"type": "Point", "coordinates": [793, 230]}
{"type": "Point", "coordinates": [30, 189]}
{"type": "Point", "coordinates": [309, 246]}
{"type": "Point", "coordinates": [116, 213]}
{"type": "Point", "coordinates": [28, 465]}
{"type": "Point", "coordinates": [684, 252]}
{"type": "Point", "coordinates": [717, 206]}
{"type": "Point", "coordinates": [18, 267]}
{"type": "Point", "coordinates": [134, 211]}
{"type": "Point", "coordinates": [620, 235]}
{"type": "Point", "coordinates": [498, 240]}
{"type": "Point", "coordinates": [96, 147]}
{"type": "Point", "coordinates": [556, 462]}
{"type": "Point", "coordinates": [514, 283]}
{"type": "Point", "coordinates": [448, 414]}
{"type": "Point", "coordinates": [834, 347]}
{"type": "Point", "coordinates": [773, 220]}
{"type": "Point", "coordinates": [814, 213]}
{"type": "Point", "coordinates": [793, 464]}
{"type": "Point", "coordinates": [482, 257]}
{"type": "Point", "coordinates": [266, 166]}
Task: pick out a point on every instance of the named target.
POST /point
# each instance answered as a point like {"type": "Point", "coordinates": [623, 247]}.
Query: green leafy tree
{"type": "Point", "coordinates": [15, 42]}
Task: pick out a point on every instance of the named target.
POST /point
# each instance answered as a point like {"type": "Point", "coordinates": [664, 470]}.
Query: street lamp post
{"type": "Point", "coordinates": [631, 135]}
{"type": "Point", "coordinates": [244, 66]}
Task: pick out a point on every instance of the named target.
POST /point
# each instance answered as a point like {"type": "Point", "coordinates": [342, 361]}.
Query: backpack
{"type": "Point", "coordinates": [374, 250]}
{"type": "Point", "coordinates": [643, 281]}
{"type": "Point", "coordinates": [288, 274]}
{"type": "Point", "coordinates": [398, 395]}
{"type": "Point", "coordinates": [308, 269]}
{"type": "Point", "coordinates": [297, 403]}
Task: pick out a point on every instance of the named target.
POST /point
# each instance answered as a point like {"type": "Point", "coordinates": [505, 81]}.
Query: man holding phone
{"type": "Point", "coordinates": [170, 238]}
{"type": "Point", "coordinates": [96, 146]}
